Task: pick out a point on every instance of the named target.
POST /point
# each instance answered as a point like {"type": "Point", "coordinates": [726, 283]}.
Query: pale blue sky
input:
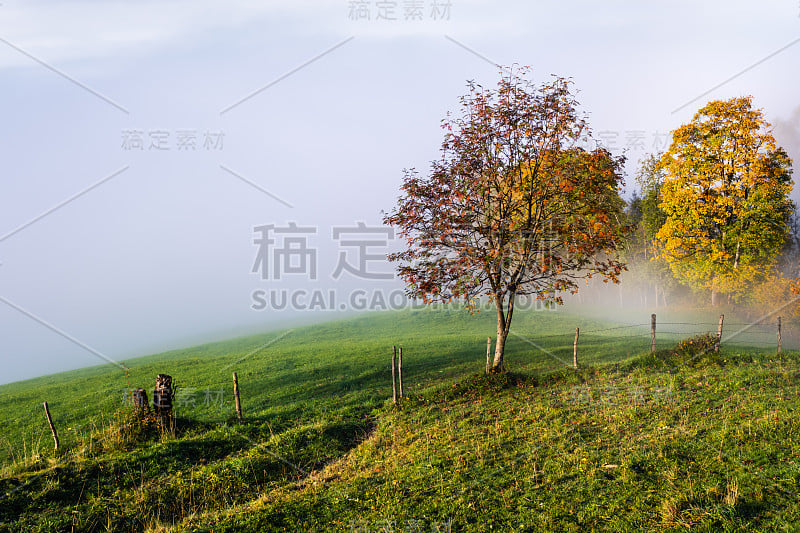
{"type": "Point", "coordinates": [160, 255]}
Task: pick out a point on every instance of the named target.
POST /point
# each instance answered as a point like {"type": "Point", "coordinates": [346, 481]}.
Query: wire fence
{"type": "Point", "coordinates": [211, 399]}
{"type": "Point", "coordinates": [550, 351]}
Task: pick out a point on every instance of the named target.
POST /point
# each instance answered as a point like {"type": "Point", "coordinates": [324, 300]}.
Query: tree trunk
{"type": "Point", "coordinates": [499, 348]}
{"type": "Point", "coordinates": [714, 298]}
{"type": "Point", "coordinates": [503, 324]}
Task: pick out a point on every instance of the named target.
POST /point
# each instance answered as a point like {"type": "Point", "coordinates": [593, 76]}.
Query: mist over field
{"type": "Point", "coordinates": [142, 157]}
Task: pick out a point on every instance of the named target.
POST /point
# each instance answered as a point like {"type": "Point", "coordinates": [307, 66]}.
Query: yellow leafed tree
{"type": "Point", "coordinates": [726, 197]}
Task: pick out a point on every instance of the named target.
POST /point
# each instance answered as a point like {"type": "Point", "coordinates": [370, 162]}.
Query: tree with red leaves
{"type": "Point", "coordinates": [514, 206]}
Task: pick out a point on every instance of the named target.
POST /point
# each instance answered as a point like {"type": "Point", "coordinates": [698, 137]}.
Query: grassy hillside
{"type": "Point", "coordinates": [290, 371]}
{"type": "Point", "coordinates": [628, 442]}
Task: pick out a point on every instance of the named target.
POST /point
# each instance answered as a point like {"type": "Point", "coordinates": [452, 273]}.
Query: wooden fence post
{"type": "Point", "coordinates": [652, 333]}
{"type": "Point", "coordinates": [236, 396]}
{"type": "Point", "coordinates": [719, 334]}
{"type": "Point", "coordinates": [575, 349]}
{"type": "Point", "coordinates": [394, 379]}
{"type": "Point", "coordinates": [400, 370]}
{"type": "Point", "coordinates": [140, 402]}
{"type": "Point", "coordinates": [488, 352]}
{"type": "Point", "coordinates": [50, 422]}
{"type": "Point", "coordinates": [780, 341]}
{"type": "Point", "coordinates": [162, 395]}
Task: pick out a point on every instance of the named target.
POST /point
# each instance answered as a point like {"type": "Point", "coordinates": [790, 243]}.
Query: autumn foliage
{"type": "Point", "coordinates": [514, 206]}
{"type": "Point", "coordinates": [726, 196]}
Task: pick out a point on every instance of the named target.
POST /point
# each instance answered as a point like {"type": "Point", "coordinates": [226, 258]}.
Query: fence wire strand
{"type": "Point", "coordinates": [418, 370]}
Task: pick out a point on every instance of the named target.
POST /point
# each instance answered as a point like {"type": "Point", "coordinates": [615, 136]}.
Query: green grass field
{"type": "Point", "coordinates": [628, 442]}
